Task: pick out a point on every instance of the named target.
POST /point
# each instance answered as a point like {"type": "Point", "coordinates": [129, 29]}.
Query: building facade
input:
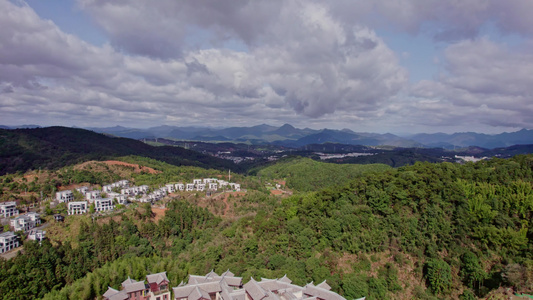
{"type": "Point", "coordinates": [64, 196]}
{"type": "Point", "coordinates": [8, 241]}
{"type": "Point", "coordinates": [77, 208]}
{"type": "Point", "coordinates": [8, 209]}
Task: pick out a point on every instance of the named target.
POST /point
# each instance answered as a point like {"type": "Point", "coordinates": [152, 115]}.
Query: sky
{"type": "Point", "coordinates": [399, 66]}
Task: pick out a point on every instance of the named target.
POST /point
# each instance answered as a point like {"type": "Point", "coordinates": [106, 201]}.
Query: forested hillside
{"type": "Point", "coordinates": [55, 147]}
{"type": "Point", "coordinates": [305, 175]}
{"type": "Point", "coordinates": [427, 231]}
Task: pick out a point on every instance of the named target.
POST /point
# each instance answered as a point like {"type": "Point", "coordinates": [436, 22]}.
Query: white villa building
{"type": "Point", "coordinates": [83, 190]}
{"type": "Point", "coordinates": [200, 187]}
{"type": "Point", "coordinates": [209, 180]}
{"type": "Point", "coordinates": [180, 186]}
{"type": "Point", "coordinates": [8, 209]}
{"type": "Point", "coordinates": [213, 186]}
{"type": "Point", "coordinates": [77, 207]}
{"type": "Point", "coordinates": [26, 222]}
{"type": "Point", "coordinates": [64, 196]}
{"type": "Point", "coordinates": [235, 186]}
{"type": "Point", "coordinates": [91, 195]}
{"type": "Point", "coordinates": [171, 187]}
{"type": "Point", "coordinates": [103, 204]}
{"type": "Point", "coordinates": [134, 190]}
{"type": "Point", "coordinates": [121, 198]}
{"type": "Point", "coordinates": [8, 241]}
{"type": "Point", "coordinates": [37, 235]}
{"type": "Point", "coordinates": [120, 184]}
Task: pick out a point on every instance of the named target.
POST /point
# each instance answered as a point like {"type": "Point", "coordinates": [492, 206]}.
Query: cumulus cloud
{"type": "Point", "coordinates": [485, 83]}
{"type": "Point", "coordinates": [304, 62]}
{"type": "Point", "coordinates": [301, 61]}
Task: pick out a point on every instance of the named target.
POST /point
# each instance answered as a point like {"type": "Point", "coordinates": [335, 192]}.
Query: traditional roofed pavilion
{"type": "Point", "coordinates": [221, 287]}
{"type": "Point", "coordinates": [229, 287]}
{"type": "Point", "coordinates": [156, 289]}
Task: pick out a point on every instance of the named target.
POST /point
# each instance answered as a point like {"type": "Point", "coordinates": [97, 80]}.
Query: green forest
{"type": "Point", "coordinates": [426, 231]}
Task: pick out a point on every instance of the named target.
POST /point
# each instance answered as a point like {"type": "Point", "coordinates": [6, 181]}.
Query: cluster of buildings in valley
{"type": "Point", "coordinates": [133, 193]}
{"type": "Point", "coordinates": [325, 156]}
{"type": "Point", "coordinates": [25, 223]}
{"type": "Point", "coordinates": [220, 287]}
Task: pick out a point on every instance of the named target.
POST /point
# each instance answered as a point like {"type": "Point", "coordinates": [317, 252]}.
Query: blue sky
{"type": "Point", "coordinates": [374, 66]}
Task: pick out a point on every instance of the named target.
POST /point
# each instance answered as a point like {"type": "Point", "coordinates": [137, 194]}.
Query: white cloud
{"type": "Point", "coordinates": [302, 62]}
{"type": "Point", "coordinates": [485, 83]}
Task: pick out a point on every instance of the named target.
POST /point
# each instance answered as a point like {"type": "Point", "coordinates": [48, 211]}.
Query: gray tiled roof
{"type": "Point", "coordinates": [128, 281]}
{"type": "Point", "coordinates": [254, 290]}
{"type": "Point", "coordinates": [157, 278]}
{"type": "Point", "coordinates": [321, 293]}
{"type": "Point", "coordinates": [266, 289]}
{"type": "Point", "coordinates": [324, 285]}
{"type": "Point", "coordinates": [133, 287]}
{"type": "Point", "coordinates": [198, 293]}
{"type": "Point", "coordinates": [110, 292]}
{"type": "Point", "coordinates": [285, 279]}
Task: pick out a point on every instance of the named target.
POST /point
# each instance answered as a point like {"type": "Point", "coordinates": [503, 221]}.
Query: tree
{"type": "Point", "coordinates": [438, 276]}
{"type": "Point", "coordinates": [471, 270]}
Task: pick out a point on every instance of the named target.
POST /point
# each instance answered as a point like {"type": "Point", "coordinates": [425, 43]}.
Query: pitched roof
{"type": "Point", "coordinates": [113, 294]}
{"type": "Point", "coordinates": [110, 292]}
{"type": "Point", "coordinates": [324, 285]}
{"type": "Point", "coordinates": [254, 290]}
{"type": "Point", "coordinates": [312, 290]}
{"type": "Point", "coordinates": [198, 293]}
{"type": "Point", "coordinates": [133, 287]}
{"type": "Point", "coordinates": [285, 279]}
{"type": "Point", "coordinates": [211, 274]}
{"type": "Point", "coordinates": [204, 287]}
{"type": "Point", "coordinates": [128, 281]}
{"type": "Point", "coordinates": [157, 278]}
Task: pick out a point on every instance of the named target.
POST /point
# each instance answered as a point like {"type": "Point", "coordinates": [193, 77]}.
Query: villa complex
{"type": "Point", "coordinates": [134, 194]}
{"type": "Point", "coordinates": [220, 287]}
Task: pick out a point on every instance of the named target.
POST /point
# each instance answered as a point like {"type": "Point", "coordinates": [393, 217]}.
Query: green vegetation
{"type": "Point", "coordinates": [427, 231]}
{"type": "Point", "coordinates": [304, 174]}
{"type": "Point", "coordinates": [56, 147]}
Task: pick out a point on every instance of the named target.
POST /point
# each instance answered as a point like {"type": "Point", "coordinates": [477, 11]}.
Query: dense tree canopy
{"type": "Point", "coordinates": [449, 230]}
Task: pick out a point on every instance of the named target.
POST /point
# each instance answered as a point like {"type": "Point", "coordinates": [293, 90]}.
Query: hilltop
{"type": "Point", "coordinates": [54, 147]}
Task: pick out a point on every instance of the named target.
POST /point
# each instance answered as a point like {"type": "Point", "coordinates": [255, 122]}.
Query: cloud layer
{"type": "Point", "coordinates": [308, 63]}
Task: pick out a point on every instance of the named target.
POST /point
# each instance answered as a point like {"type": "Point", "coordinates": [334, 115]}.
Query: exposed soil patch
{"type": "Point", "coordinates": [101, 221]}
{"type": "Point", "coordinates": [220, 204]}
{"type": "Point", "coordinates": [136, 168]}
{"type": "Point", "coordinates": [276, 192]}
{"type": "Point", "coordinates": [159, 213]}
{"type": "Point", "coordinates": [282, 182]}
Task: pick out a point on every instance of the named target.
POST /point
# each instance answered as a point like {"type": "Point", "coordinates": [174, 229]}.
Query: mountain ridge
{"type": "Point", "coordinates": [290, 136]}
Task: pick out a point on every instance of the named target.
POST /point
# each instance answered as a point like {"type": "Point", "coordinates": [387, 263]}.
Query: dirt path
{"type": "Point", "coordinates": [225, 200]}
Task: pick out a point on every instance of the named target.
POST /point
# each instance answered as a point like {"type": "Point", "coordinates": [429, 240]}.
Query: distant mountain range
{"type": "Point", "coordinates": [289, 136]}
{"type": "Point", "coordinates": [55, 147]}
